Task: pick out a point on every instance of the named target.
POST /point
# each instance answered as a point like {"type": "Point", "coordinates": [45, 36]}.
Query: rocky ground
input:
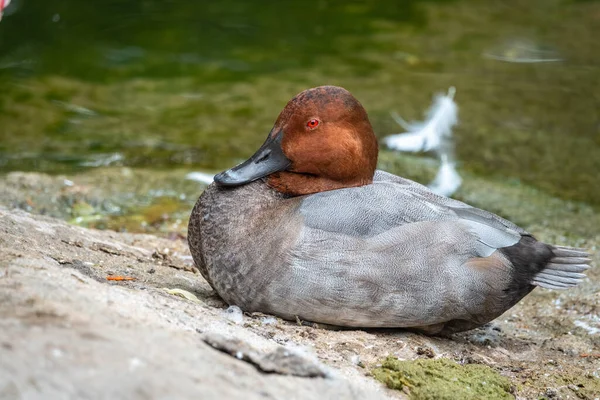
{"type": "Point", "coordinates": [68, 329]}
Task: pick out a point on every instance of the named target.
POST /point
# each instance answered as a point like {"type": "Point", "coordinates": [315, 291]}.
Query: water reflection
{"type": "Point", "coordinates": [115, 39]}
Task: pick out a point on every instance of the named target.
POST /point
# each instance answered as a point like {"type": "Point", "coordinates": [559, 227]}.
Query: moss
{"type": "Point", "coordinates": [161, 210]}
{"type": "Point", "coordinates": [443, 379]}
{"type": "Point", "coordinates": [166, 215]}
{"type": "Point", "coordinates": [149, 201]}
{"type": "Point", "coordinates": [82, 209]}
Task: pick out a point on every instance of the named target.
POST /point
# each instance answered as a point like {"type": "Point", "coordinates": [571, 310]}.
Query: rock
{"type": "Point", "coordinates": [425, 351]}
{"type": "Point", "coordinates": [283, 361]}
{"type": "Point", "coordinates": [67, 332]}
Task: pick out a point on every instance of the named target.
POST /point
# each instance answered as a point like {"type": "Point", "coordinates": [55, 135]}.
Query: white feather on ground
{"type": "Point", "coordinates": [234, 314]}
{"type": "Point", "coordinates": [429, 134]}
{"type": "Point", "coordinates": [201, 177]}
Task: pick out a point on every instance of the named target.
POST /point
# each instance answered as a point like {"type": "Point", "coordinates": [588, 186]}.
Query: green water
{"type": "Point", "coordinates": [197, 85]}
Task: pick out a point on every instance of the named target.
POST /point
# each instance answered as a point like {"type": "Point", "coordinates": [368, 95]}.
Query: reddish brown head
{"type": "Point", "coordinates": [322, 140]}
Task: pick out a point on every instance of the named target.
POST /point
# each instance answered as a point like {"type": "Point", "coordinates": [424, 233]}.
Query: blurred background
{"type": "Point", "coordinates": [105, 106]}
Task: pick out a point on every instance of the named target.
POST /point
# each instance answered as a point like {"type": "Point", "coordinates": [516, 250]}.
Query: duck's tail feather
{"type": "Point", "coordinates": [565, 269]}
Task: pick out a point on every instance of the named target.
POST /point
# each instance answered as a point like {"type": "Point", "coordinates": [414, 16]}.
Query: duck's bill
{"type": "Point", "coordinates": [267, 160]}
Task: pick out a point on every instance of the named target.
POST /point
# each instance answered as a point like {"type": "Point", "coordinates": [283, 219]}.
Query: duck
{"type": "Point", "coordinates": [307, 228]}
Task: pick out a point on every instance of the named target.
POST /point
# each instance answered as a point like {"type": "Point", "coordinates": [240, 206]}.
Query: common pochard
{"type": "Point", "coordinates": [308, 228]}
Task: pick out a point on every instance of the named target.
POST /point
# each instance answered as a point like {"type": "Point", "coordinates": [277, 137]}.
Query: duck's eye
{"type": "Point", "coordinates": [312, 124]}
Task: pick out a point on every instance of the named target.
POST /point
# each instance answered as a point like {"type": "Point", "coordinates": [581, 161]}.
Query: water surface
{"type": "Point", "coordinates": [180, 84]}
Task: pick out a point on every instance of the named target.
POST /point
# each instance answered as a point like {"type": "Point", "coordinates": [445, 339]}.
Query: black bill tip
{"type": "Point", "coordinates": [267, 160]}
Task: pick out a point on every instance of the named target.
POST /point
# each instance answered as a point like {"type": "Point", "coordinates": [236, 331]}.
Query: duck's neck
{"type": "Point", "coordinates": [295, 184]}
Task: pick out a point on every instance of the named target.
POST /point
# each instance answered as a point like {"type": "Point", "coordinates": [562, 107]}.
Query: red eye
{"type": "Point", "coordinates": [312, 124]}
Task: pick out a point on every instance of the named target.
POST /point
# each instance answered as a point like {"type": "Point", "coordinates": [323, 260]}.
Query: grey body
{"type": "Point", "coordinates": [389, 254]}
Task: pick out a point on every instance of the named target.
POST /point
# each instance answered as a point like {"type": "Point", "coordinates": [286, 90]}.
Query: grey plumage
{"type": "Point", "coordinates": [389, 254]}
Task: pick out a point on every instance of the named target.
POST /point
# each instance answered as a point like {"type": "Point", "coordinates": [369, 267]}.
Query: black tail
{"type": "Point", "coordinates": [540, 264]}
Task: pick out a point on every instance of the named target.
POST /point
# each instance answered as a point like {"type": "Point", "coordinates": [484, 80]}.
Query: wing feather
{"type": "Point", "coordinates": [391, 202]}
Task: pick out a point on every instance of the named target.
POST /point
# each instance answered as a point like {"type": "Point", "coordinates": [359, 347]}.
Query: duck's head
{"type": "Point", "coordinates": [322, 140]}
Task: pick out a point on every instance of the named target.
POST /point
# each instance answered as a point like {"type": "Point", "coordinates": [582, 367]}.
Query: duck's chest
{"type": "Point", "coordinates": [240, 237]}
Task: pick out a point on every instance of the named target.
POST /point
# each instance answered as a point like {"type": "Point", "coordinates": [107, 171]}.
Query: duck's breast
{"type": "Point", "coordinates": [240, 238]}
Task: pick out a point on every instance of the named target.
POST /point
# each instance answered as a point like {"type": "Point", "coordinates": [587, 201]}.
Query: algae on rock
{"type": "Point", "coordinates": [443, 379]}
